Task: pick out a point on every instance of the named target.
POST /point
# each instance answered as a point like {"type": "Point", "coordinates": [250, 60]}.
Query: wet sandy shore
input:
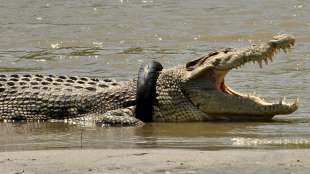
{"type": "Point", "coordinates": [155, 161]}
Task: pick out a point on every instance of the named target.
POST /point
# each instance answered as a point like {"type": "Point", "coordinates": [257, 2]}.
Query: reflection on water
{"type": "Point", "coordinates": [112, 38]}
{"type": "Point", "coordinates": [34, 135]}
{"type": "Point", "coordinates": [211, 136]}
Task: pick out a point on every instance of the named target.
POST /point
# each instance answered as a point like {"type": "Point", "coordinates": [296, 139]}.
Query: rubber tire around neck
{"type": "Point", "coordinates": [146, 90]}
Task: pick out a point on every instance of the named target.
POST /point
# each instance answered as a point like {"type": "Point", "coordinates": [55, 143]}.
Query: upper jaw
{"type": "Point", "coordinates": [256, 53]}
{"type": "Point", "coordinates": [227, 59]}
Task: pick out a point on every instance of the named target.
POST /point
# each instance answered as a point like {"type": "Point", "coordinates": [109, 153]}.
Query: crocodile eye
{"type": "Point", "coordinates": [195, 63]}
{"type": "Point", "coordinates": [192, 64]}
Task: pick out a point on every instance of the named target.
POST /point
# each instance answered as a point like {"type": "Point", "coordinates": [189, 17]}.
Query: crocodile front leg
{"type": "Point", "coordinates": [122, 117]}
{"type": "Point", "coordinates": [119, 117]}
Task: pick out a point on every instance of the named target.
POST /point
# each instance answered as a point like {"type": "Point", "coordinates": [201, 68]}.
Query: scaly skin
{"type": "Point", "coordinates": [43, 97]}
{"type": "Point", "coordinates": [194, 92]}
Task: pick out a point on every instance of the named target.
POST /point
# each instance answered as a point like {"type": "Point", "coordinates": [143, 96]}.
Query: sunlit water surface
{"type": "Point", "coordinates": [112, 38]}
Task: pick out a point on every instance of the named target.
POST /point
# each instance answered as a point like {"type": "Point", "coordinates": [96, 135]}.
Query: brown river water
{"type": "Point", "coordinates": [111, 38]}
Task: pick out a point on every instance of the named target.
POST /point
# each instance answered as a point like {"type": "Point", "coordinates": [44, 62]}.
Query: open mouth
{"type": "Point", "coordinates": [283, 106]}
{"type": "Point", "coordinates": [207, 90]}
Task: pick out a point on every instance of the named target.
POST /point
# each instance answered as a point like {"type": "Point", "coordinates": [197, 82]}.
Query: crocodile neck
{"type": "Point", "coordinates": [172, 105]}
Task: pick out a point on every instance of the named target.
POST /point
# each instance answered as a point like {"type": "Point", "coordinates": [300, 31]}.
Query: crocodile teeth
{"type": "Point", "coordinates": [296, 102]}
{"type": "Point", "coordinates": [282, 100]}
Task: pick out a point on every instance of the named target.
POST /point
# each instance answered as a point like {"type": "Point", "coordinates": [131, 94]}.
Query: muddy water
{"type": "Point", "coordinates": [112, 38]}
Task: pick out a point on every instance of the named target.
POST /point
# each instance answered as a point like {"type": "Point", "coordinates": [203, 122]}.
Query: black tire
{"type": "Point", "coordinates": [146, 90]}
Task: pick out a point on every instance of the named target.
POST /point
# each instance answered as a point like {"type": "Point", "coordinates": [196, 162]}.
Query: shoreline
{"type": "Point", "coordinates": [155, 161]}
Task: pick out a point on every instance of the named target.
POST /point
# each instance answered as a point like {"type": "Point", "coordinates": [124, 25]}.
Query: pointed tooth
{"type": "Point", "coordinates": [296, 102]}
{"type": "Point", "coordinates": [283, 100]}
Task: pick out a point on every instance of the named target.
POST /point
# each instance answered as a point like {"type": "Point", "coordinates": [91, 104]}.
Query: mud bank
{"type": "Point", "coordinates": [155, 161]}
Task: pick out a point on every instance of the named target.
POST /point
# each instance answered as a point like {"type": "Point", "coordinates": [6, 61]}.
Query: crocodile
{"type": "Point", "coordinates": [195, 91]}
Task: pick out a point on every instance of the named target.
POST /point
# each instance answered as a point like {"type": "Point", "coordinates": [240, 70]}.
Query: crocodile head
{"type": "Point", "coordinates": [205, 83]}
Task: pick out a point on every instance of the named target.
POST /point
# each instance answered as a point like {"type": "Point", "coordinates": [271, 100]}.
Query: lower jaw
{"type": "Point", "coordinates": [242, 116]}
{"type": "Point", "coordinates": [239, 117]}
